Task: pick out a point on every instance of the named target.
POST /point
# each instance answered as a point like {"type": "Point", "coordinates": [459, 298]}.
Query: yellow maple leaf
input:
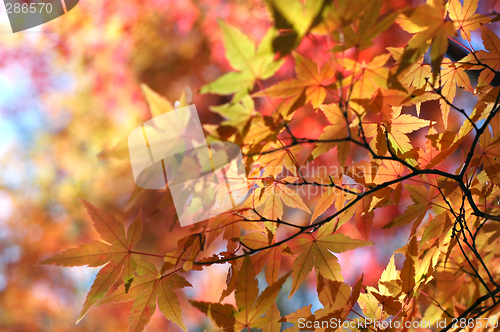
{"type": "Point", "coordinates": [401, 125]}
{"type": "Point", "coordinates": [465, 18]}
{"type": "Point", "coordinates": [491, 58]}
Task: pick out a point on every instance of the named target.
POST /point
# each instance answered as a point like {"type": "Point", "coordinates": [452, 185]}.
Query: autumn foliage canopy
{"type": "Point", "coordinates": [370, 132]}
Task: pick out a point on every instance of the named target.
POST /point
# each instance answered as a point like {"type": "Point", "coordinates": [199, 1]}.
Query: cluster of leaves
{"type": "Point", "coordinates": [450, 267]}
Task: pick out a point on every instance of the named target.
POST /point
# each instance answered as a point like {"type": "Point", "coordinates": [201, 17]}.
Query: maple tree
{"type": "Point", "coordinates": [343, 140]}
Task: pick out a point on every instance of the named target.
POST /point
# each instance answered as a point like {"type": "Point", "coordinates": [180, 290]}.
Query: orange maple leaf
{"type": "Point", "coordinates": [308, 80]}
{"type": "Point", "coordinates": [117, 255]}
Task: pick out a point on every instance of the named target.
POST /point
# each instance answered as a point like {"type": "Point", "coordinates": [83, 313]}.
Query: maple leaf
{"type": "Point", "coordinates": [296, 19]}
{"type": "Point", "coordinates": [416, 212]}
{"type": "Point", "coordinates": [261, 129]}
{"type": "Point", "coordinates": [389, 170]}
{"type": "Point", "coordinates": [250, 306]}
{"type": "Point", "coordinates": [427, 263]}
{"type": "Point", "coordinates": [427, 155]}
{"type": "Point", "coordinates": [446, 143]}
{"type": "Point", "coordinates": [158, 104]}
{"type": "Point", "coordinates": [274, 195]}
{"type": "Point", "coordinates": [339, 198]}
{"type": "Point", "coordinates": [437, 226]}
{"type": "Point", "coordinates": [149, 288]}
{"type": "Point", "coordinates": [317, 250]}
{"type": "Point", "coordinates": [337, 298]}
{"type": "Point", "coordinates": [325, 201]}
{"type": "Point", "coordinates": [294, 317]}
{"type": "Point", "coordinates": [329, 197]}
{"type": "Point", "coordinates": [416, 74]}
{"type": "Point", "coordinates": [187, 247]}
{"type": "Point", "coordinates": [465, 18]}
{"type": "Point", "coordinates": [409, 270]}
{"type": "Point", "coordinates": [252, 64]}
{"type": "Point", "coordinates": [237, 114]}
{"type": "Point", "coordinates": [273, 316]}
{"type": "Point", "coordinates": [337, 130]}
{"type": "Point", "coordinates": [451, 76]}
{"type": "Point", "coordinates": [385, 101]}
{"type": "Point", "coordinates": [390, 280]}
{"type": "Point", "coordinates": [428, 23]}
{"type": "Point", "coordinates": [367, 29]}
{"type": "Point", "coordinates": [365, 78]}
{"type": "Point", "coordinates": [399, 126]}
{"type": "Point", "coordinates": [489, 155]}
{"type": "Point", "coordinates": [491, 58]}
{"type": "Point", "coordinates": [274, 162]}
{"type": "Point", "coordinates": [388, 294]}
{"type": "Point", "coordinates": [308, 80]}
{"type": "Point", "coordinates": [270, 257]}
{"type": "Point", "coordinates": [370, 307]}
{"type": "Point", "coordinates": [116, 254]}
{"type": "Point", "coordinates": [228, 225]}
{"type": "Point", "coordinates": [364, 216]}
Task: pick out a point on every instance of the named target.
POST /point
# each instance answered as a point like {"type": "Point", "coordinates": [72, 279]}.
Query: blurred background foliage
{"type": "Point", "coordinates": [70, 93]}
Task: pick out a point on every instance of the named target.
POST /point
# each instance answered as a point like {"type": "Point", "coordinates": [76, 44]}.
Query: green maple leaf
{"type": "Point", "coordinates": [251, 64]}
